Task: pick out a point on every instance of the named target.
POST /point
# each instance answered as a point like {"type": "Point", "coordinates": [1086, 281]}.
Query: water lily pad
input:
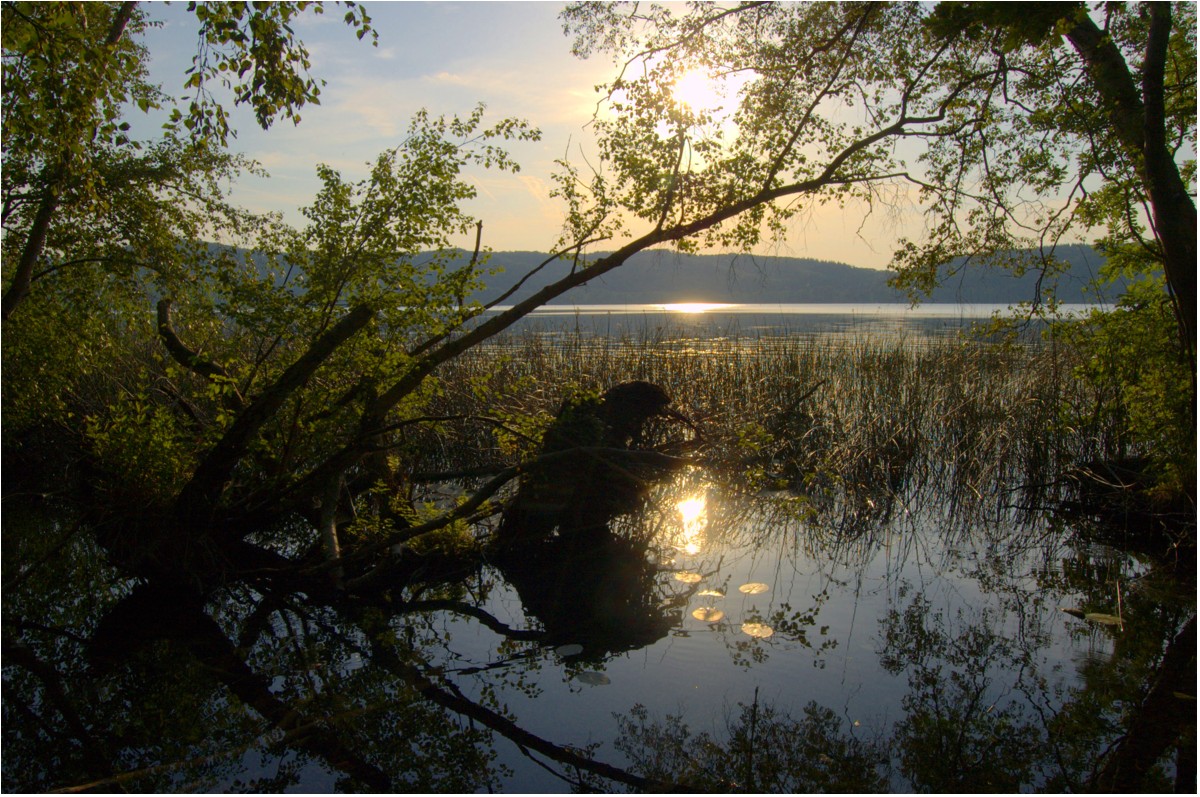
{"type": "Point", "coordinates": [688, 578]}
{"type": "Point", "coordinates": [569, 650]}
{"type": "Point", "coordinates": [593, 678]}
{"type": "Point", "coordinates": [758, 630]}
{"type": "Point", "coordinates": [708, 614]}
{"type": "Point", "coordinates": [753, 588]}
{"type": "Point", "coordinates": [711, 593]}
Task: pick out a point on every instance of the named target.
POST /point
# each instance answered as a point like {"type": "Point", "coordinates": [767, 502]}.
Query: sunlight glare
{"type": "Point", "coordinates": [698, 91]}
{"type": "Point", "coordinates": [694, 307]}
{"type": "Point", "coordinates": [693, 513]}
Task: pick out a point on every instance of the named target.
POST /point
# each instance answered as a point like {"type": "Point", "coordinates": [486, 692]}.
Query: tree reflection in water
{"type": "Point", "coordinates": [986, 706]}
{"type": "Point", "coordinates": [250, 683]}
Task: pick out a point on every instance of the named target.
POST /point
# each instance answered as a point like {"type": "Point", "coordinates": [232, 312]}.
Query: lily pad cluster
{"type": "Point", "coordinates": [711, 614]}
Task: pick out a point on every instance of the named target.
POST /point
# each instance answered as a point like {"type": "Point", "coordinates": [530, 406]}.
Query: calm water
{"type": "Point", "coordinates": [926, 621]}
{"type": "Point", "coordinates": [765, 320]}
{"type": "Point", "coordinates": [788, 611]}
{"type": "Point", "coordinates": [829, 610]}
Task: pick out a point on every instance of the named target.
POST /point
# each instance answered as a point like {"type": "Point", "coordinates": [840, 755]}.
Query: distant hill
{"type": "Point", "coordinates": [661, 277]}
{"type": "Point", "coordinates": [657, 277]}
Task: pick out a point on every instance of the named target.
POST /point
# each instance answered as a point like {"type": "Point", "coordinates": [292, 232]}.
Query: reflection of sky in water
{"type": "Point", "coordinates": [752, 565]}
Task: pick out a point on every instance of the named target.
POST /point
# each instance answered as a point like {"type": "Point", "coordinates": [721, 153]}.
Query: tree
{"type": "Point", "coordinates": [1011, 139]}
{"type": "Point", "coordinates": [70, 70]}
{"type": "Point", "coordinates": [1011, 127]}
{"type": "Point", "coordinates": [358, 266]}
{"type": "Point", "coordinates": [1120, 104]}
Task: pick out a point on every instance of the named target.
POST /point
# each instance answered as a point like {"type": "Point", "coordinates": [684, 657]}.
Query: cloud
{"type": "Point", "coordinates": [448, 78]}
{"type": "Point", "coordinates": [551, 210]}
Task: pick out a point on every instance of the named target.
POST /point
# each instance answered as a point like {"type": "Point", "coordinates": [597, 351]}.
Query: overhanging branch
{"type": "Point", "coordinates": [189, 358]}
{"type": "Point", "coordinates": [200, 494]}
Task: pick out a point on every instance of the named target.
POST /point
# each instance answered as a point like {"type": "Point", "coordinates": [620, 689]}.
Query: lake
{"type": "Point", "coordinates": [765, 320]}
{"type": "Point", "coordinates": [794, 610]}
{"type": "Point", "coordinates": [899, 611]}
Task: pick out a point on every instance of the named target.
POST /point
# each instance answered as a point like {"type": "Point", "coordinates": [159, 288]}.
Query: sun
{"type": "Point", "coordinates": [698, 91]}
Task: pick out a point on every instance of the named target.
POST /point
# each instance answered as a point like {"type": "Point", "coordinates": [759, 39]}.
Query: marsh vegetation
{"type": "Point", "coordinates": [918, 484]}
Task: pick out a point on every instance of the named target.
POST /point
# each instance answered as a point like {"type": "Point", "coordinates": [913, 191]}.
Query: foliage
{"type": "Point", "coordinates": [1004, 133]}
{"type": "Point", "coordinates": [767, 751]}
{"type": "Point", "coordinates": [140, 450]}
{"type": "Point", "coordinates": [103, 258]}
{"type": "Point", "coordinates": [79, 195]}
{"type": "Point", "coordinates": [1061, 146]}
{"type": "Point", "coordinates": [98, 226]}
{"type": "Point", "coordinates": [94, 222]}
{"type": "Point", "coordinates": [370, 244]}
{"type": "Point", "coordinates": [1010, 129]}
{"type": "Point", "coordinates": [1139, 379]}
{"type": "Point", "coordinates": [690, 172]}
{"type": "Point", "coordinates": [73, 67]}
{"type": "Point", "coordinates": [251, 50]}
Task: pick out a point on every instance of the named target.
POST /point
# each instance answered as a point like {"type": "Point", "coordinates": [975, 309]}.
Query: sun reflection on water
{"type": "Point", "coordinates": [694, 307]}
{"type": "Point", "coordinates": [693, 515]}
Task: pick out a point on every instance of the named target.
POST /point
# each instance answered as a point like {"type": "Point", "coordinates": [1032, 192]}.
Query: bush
{"type": "Point", "coordinates": [1132, 358]}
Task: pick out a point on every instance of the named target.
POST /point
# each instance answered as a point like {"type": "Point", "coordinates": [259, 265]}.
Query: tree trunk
{"type": "Point", "coordinates": [1158, 721]}
{"type": "Point", "coordinates": [1173, 209]}
{"type": "Point", "coordinates": [1140, 125]}
{"type": "Point", "coordinates": [34, 244]}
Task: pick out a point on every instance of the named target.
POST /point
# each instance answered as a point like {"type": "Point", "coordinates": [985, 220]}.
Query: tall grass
{"type": "Point", "coordinates": [849, 421]}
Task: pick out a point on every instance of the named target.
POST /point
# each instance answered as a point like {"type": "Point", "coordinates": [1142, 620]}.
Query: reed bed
{"type": "Point", "coordinates": [856, 425]}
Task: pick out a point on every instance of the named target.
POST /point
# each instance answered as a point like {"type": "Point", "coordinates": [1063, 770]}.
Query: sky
{"type": "Point", "coordinates": [446, 57]}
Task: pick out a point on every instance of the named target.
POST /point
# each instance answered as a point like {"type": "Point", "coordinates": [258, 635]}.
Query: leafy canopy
{"type": "Point", "coordinates": [1008, 128]}
{"type": "Point", "coordinates": [71, 72]}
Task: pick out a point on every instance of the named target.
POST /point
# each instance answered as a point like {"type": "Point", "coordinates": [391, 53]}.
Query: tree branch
{"type": "Point", "coordinates": [200, 495]}
{"type": "Point", "coordinates": [189, 358]}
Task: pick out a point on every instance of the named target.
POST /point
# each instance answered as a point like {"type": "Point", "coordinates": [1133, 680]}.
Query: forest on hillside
{"type": "Point", "coordinates": [663, 276]}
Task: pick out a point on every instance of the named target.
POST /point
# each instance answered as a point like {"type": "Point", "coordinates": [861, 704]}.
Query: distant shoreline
{"type": "Point", "coordinates": [663, 277]}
